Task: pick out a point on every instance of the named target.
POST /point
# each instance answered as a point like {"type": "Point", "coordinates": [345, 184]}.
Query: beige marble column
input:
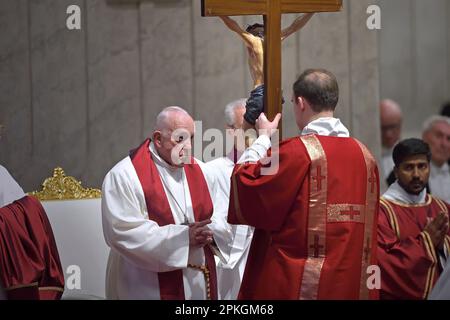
{"type": "Point", "coordinates": [364, 77]}
{"type": "Point", "coordinates": [58, 94]}
{"type": "Point", "coordinates": [16, 112]}
{"type": "Point", "coordinates": [290, 71]}
{"type": "Point", "coordinates": [219, 68]}
{"type": "Point", "coordinates": [325, 44]}
{"type": "Point", "coordinates": [166, 58]}
{"type": "Point", "coordinates": [113, 84]}
{"type": "Point", "coordinates": [415, 58]}
{"type": "Point", "coordinates": [432, 57]}
{"type": "Point", "coordinates": [397, 53]}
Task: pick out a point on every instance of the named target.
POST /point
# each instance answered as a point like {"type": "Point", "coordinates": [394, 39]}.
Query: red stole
{"type": "Point", "coordinates": [343, 206]}
{"type": "Point", "coordinates": [29, 261]}
{"type": "Point", "coordinates": [171, 283]}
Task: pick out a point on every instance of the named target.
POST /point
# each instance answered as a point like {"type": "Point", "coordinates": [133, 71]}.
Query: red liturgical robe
{"type": "Point", "coordinates": [408, 260]}
{"type": "Point", "coordinates": [29, 261]}
{"type": "Point", "coordinates": [315, 220]}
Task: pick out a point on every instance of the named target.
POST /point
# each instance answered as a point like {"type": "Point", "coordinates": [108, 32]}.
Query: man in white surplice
{"type": "Point", "coordinates": [229, 275]}
{"type": "Point", "coordinates": [141, 249]}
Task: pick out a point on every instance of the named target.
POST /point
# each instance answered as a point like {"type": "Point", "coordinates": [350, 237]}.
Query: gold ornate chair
{"type": "Point", "coordinates": [75, 215]}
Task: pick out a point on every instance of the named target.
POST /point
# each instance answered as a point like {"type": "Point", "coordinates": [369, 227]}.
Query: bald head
{"type": "Point", "coordinates": [166, 117]}
{"type": "Point", "coordinates": [390, 108]}
{"type": "Point", "coordinates": [391, 122]}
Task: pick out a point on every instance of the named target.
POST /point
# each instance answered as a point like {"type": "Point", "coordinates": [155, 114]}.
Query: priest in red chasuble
{"type": "Point", "coordinates": [315, 216]}
{"type": "Point", "coordinates": [413, 238]}
{"type": "Point", "coordinates": [30, 267]}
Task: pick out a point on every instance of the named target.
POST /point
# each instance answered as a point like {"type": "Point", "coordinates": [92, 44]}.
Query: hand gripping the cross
{"type": "Point", "coordinates": [266, 127]}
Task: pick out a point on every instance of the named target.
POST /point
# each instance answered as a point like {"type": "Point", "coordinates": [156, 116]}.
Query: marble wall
{"type": "Point", "coordinates": [81, 99]}
{"type": "Point", "coordinates": [415, 58]}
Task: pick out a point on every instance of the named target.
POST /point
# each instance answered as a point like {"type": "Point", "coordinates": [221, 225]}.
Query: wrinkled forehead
{"type": "Point", "coordinates": [441, 126]}
{"type": "Point", "coordinates": [390, 119]}
{"type": "Point", "coordinates": [181, 122]}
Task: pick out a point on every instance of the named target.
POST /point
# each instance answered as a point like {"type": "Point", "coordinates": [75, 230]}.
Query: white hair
{"type": "Point", "coordinates": [161, 119]}
{"type": "Point", "coordinates": [429, 123]}
{"type": "Point", "coordinates": [230, 115]}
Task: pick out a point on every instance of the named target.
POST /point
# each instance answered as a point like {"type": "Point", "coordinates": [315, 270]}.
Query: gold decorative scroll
{"type": "Point", "coordinates": [62, 187]}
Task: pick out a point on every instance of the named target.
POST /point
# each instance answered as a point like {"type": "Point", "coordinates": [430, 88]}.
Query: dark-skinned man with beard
{"type": "Point", "coordinates": [413, 226]}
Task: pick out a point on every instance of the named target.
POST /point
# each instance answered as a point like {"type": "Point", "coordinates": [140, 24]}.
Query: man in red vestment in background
{"type": "Point", "coordinates": [413, 238]}
{"type": "Point", "coordinates": [315, 218]}
{"type": "Point", "coordinates": [30, 267]}
{"type": "Point", "coordinates": [29, 261]}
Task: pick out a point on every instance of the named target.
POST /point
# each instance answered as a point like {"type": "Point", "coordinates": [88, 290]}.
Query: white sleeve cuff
{"type": "Point", "coordinates": [257, 150]}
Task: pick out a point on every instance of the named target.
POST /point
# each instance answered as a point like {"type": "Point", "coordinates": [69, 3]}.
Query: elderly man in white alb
{"type": "Point", "coordinates": [163, 218]}
{"type": "Point", "coordinates": [229, 275]}
{"type": "Point", "coordinates": [436, 132]}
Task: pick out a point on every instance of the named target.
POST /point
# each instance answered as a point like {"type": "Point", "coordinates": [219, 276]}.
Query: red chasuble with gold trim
{"type": "Point", "coordinates": [30, 267]}
{"type": "Point", "coordinates": [409, 262]}
{"type": "Point", "coordinates": [315, 220]}
{"type": "Point", "coordinates": [171, 283]}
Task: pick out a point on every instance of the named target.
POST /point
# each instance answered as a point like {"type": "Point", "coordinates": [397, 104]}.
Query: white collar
{"type": "Point", "coordinates": [160, 161]}
{"type": "Point", "coordinates": [397, 193]}
{"type": "Point", "coordinates": [326, 126]}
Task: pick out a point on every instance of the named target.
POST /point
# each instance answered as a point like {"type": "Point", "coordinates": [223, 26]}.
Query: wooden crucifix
{"type": "Point", "coordinates": [272, 11]}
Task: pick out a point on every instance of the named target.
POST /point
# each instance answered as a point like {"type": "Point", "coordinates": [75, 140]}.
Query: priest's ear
{"type": "Point", "coordinates": [156, 138]}
{"type": "Point", "coordinates": [395, 172]}
{"type": "Point", "coordinates": [301, 103]}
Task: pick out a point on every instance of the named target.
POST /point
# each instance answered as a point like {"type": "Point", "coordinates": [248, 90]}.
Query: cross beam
{"type": "Point", "coordinates": [272, 11]}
